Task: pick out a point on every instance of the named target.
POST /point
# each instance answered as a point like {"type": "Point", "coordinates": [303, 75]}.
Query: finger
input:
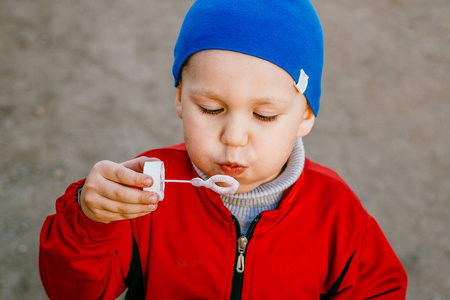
{"type": "Point", "coordinates": [137, 164]}
{"type": "Point", "coordinates": [117, 192]}
{"type": "Point", "coordinates": [127, 210]}
{"type": "Point", "coordinates": [91, 205]}
{"type": "Point", "coordinates": [102, 209]}
{"type": "Point", "coordinates": [121, 174]}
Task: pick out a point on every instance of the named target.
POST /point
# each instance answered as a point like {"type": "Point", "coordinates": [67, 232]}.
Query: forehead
{"type": "Point", "coordinates": [208, 58]}
{"type": "Point", "coordinates": [224, 72]}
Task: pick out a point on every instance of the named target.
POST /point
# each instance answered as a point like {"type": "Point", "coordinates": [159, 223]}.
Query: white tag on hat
{"type": "Point", "coordinates": [302, 82]}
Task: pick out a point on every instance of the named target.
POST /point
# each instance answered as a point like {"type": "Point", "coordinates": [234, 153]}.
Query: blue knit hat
{"type": "Point", "coordinates": [286, 33]}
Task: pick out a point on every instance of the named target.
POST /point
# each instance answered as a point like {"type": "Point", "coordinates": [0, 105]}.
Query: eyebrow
{"type": "Point", "coordinates": [257, 100]}
{"type": "Point", "coordinates": [207, 94]}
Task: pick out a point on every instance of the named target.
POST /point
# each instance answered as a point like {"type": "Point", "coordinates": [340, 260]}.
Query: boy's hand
{"type": "Point", "coordinates": [110, 194]}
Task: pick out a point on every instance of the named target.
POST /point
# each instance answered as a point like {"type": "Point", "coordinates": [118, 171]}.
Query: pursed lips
{"type": "Point", "coordinates": [232, 168]}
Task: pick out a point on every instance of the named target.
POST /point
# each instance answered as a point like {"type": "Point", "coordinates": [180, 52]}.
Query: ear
{"type": "Point", "coordinates": [178, 105]}
{"type": "Point", "coordinates": [307, 122]}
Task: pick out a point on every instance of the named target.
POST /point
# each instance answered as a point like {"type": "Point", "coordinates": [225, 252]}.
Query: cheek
{"type": "Point", "coordinates": [195, 128]}
{"type": "Point", "coordinates": [276, 144]}
{"type": "Point", "coordinates": [277, 151]}
{"type": "Point", "coordinates": [192, 136]}
{"type": "Point", "coordinates": [278, 135]}
{"type": "Point", "coordinates": [197, 138]}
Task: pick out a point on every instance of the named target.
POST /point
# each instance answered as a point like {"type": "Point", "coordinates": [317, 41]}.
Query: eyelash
{"type": "Point", "coordinates": [265, 118]}
{"type": "Point", "coordinates": [218, 111]}
{"type": "Point", "coordinates": [210, 111]}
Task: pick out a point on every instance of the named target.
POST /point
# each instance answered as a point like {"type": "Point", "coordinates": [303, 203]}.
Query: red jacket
{"type": "Point", "coordinates": [319, 240]}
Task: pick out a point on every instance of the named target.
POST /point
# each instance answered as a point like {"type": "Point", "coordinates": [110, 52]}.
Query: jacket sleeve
{"type": "Point", "coordinates": [374, 270]}
{"type": "Point", "coordinates": [80, 258]}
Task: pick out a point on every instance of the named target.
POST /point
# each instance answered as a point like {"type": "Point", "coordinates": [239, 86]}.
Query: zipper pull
{"type": "Point", "coordinates": [242, 245]}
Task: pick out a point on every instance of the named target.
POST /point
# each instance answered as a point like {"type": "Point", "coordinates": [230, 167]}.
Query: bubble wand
{"type": "Point", "coordinates": [156, 170]}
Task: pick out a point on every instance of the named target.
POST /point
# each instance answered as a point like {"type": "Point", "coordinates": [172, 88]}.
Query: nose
{"type": "Point", "coordinates": [234, 132]}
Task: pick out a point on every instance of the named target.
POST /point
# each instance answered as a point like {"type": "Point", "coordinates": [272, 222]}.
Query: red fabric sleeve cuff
{"type": "Point", "coordinates": [94, 229]}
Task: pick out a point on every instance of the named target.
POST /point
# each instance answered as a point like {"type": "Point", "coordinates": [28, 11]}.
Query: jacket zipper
{"type": "Point", "coordinates": [239, 264]}
{"type": "Point", "coordinates": [242, 245]}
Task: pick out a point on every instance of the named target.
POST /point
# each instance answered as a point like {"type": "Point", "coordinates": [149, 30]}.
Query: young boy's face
{"type": "Point", "coordinates": [241, 116]}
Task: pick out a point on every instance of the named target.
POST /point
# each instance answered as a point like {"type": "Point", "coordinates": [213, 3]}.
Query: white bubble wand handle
{"type": "Point", "coordinates": [156, 170]}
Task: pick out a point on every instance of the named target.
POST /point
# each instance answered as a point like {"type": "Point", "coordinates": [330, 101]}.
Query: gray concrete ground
{"type": "Point", "coordinates": [82, 81]}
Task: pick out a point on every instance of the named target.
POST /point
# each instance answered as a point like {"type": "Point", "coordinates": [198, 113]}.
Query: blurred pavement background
{"type": "Point", "coordinates": [82, 81]}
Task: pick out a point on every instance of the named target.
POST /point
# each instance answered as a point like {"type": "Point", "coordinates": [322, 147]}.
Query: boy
{"type": "Point", "coordinates": [247, 76]}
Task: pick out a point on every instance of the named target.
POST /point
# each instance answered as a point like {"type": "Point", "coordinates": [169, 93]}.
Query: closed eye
{"type": "Point", "coordinates": [265, 118]}
{"type": "Point", "coordinates": [210, 111]}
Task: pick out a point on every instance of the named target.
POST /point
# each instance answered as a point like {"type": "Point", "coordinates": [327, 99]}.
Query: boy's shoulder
{"type": "Point", "coordinates": [177, 150]}
{"type": "Point", "coordinates": [175, 158]}
{"type": "Point", "coordinates": [329, 186]}
{"type": "Point", "coordinates": [321, 170]}
{"type": "Point", "coordinates": [320, 173]}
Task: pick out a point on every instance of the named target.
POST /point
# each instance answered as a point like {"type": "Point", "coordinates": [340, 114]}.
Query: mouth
{"type": "Point", "coordinates": [232, 169]}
